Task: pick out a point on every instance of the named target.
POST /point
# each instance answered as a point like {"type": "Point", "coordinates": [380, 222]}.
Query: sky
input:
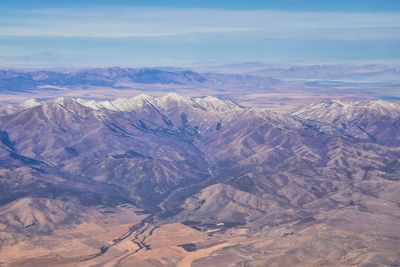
{"type": "Point", "coordinates": [190, 33]}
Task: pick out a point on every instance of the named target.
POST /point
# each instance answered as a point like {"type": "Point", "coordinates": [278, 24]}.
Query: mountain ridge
{"type": "Point", "coordinates": [203, 162]}
{"type": "Point", "coordinates": [13, 81]}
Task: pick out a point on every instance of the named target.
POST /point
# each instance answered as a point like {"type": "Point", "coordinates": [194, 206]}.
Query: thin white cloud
{"type": "Point", "coordinates": [117, 22]}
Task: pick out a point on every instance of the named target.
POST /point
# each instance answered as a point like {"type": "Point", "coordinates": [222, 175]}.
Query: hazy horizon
{"type": "Point", "coordinates": [198, 33]}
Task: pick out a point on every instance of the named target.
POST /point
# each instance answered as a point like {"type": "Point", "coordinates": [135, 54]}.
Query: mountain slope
{"type": "Point", "coordinates": [205, 162]}
{"type": "Point", "coordinates": [374, 121]}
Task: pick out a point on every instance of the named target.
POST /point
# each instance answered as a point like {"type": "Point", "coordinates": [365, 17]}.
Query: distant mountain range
{"type": "Point", "coordinates": [13, 81]}
{"type": "Point", "coordinates": [327, 71]}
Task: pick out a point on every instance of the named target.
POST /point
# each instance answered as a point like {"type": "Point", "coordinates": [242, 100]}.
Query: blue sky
{"type": "Point", "coordinates": [197, 33]}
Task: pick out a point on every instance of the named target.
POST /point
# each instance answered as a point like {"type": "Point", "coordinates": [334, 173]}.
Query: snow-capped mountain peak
{"type": "Point", "coordinates": [372, 120]}
{"type": "Point", "coordinates": [119, 104]}
{"type": "Point", "coordinates": [216, 104]}
{"type": "Point", "coordinates": [328, 111]}
{"type": "Point", "coordinates": [30, 103]}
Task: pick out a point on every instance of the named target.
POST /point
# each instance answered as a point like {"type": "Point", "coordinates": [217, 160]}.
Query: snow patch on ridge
{"type": "Point", "coordinates": [30, 103]}
{"type": "Point", "coordinates": [333, 110]}
{"type": "Point", "coordinates": [167, 101]}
